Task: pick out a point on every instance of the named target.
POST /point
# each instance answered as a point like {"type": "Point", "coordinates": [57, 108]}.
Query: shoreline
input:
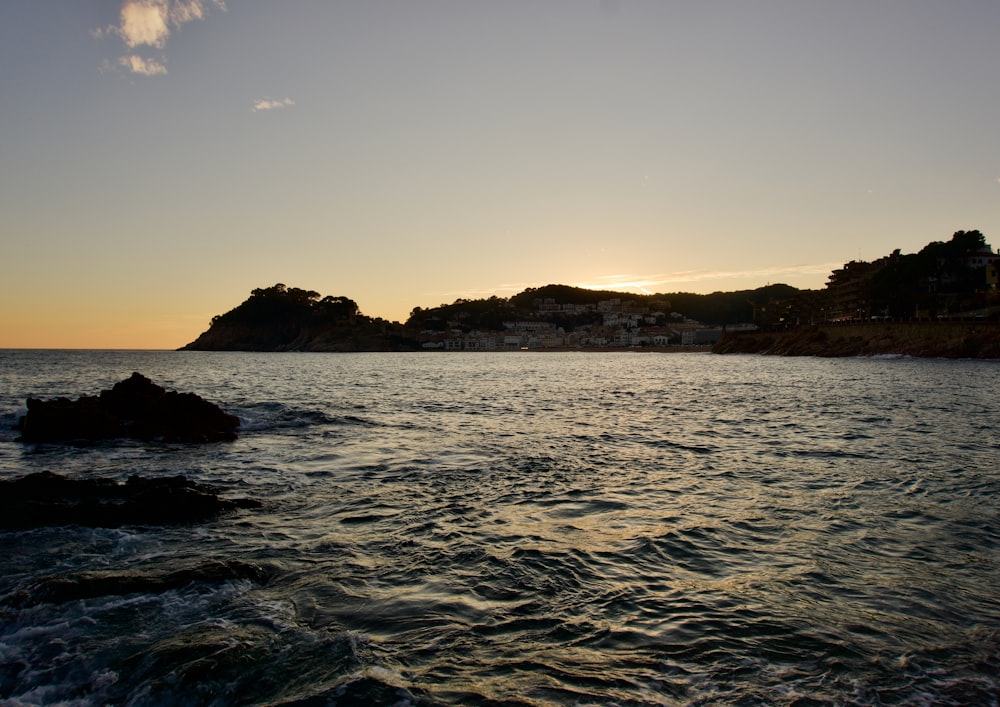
{"type": "Point", "coordinates": [946, 339]}
{"type": "Point", "coordinates": [684, 348]}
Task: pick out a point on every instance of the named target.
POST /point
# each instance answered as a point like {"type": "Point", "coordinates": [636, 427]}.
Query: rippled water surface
{"type": "Point", "coordinates": [536, 529]}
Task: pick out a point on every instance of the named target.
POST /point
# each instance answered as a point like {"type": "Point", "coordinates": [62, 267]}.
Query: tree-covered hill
{"type": "Point", "coordinates": [716, 309]}
{"type": "Point", "coordinates": [281, 318]}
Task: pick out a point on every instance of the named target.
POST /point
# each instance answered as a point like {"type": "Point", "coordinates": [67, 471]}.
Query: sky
{"type": "Point", "coordinates": [159, 159]}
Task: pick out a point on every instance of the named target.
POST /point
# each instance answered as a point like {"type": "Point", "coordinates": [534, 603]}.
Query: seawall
{"type": "Point", "coordinates": [947, 339]}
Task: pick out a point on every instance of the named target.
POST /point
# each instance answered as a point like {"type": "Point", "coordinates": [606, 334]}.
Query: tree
{"type": "Point", "coordinates": [967, 243]}
{"type": "Point", "coordinates": [337, 308]}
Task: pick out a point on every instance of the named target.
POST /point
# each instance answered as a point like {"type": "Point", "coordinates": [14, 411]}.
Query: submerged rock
{"type": "Point", "coordinates": [45, 498]}
{"type": "Point", "coordinates": [366, 690]}
{"type": "Point", "coordinates": [135, 408]}
{"type": "Point", "coordinates": [89, 585]}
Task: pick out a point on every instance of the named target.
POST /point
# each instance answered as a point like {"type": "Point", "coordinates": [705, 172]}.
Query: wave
{"type": "Point", "coordinates": [9, 421]}
{"type": "Point", "coordinates": [487, 532]}
{"type": "Point", "coordinates": [277, 416]}
{"type": "Point", "coordinates": [90, 585]}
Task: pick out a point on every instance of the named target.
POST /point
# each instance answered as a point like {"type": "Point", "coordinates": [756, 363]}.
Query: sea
{"type": "Point", "coordinates": [524, 528]}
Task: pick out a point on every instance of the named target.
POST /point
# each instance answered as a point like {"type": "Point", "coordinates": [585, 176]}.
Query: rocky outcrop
{"type": "Point", "coordinates": [920, 339]}
{"type": "Point", "coordinates": [45, 498]}
{"type": "Point", "coordinates": [135, 408]}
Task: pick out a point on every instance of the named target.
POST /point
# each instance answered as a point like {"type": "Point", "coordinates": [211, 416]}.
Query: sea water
{"type": "Point", "coordinates": [527, 529]}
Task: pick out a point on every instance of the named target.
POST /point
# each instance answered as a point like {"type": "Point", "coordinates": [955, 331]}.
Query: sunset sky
{"type": "Point", "coordinates": [161, 158]}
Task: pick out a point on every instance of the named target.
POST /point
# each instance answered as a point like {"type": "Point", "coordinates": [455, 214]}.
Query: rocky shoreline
{"type": "Point", "coordinates": [945, 339]}
{"type": "Point", "coordinates": [133, 409]}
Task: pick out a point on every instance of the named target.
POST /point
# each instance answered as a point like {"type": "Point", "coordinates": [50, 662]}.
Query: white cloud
{"type": "Point", "coordinates": [269, 104]}
{"type": "Point", "coordinates": [144, 22]}
{"type": "Point", "coordinates": [145, 67]}
{"type": "Point", "coordinates": [149, 23]}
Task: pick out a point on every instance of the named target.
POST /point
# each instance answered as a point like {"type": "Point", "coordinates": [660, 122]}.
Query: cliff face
{"type": "Point", "coordinates": [924, 339]}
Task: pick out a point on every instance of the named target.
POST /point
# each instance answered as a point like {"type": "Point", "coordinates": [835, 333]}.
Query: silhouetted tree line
{"type": "Point", "coordinates": [943, 278]}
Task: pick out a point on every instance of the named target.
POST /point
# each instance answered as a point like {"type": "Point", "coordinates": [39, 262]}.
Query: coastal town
{"type": "Point", "coordinates": [946, 281]}
{"type": "Point", "coordinates": [617, 323]}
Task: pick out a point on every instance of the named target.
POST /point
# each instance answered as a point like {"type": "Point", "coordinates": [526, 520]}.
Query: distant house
{"type": "Point", "coordinates": [613, 319]}
{"type": "Point", "coordinates": [982, 258]}
{"type": "Point", "coordinates": [624, 337]}
{"type": "Point", "coordinates": [478, 341]}
{"type": "Point", "coordinates": [526, 326]}
{"type": "Point", "coordinates": [989, 263]}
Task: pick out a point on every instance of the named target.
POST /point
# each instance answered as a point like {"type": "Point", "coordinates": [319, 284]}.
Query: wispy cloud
{"type": "Point", "coordinates": [504, 290]}
{"type": "Point", "coordinates": [269, 104]}
{"type": "Point", "coordinates": [662, 282]}
{"type": "Point", "coordinates": [681, 281]}
{"type": "Point", "coordinates": [725, 280]}
{"type": "Point", "coordinates": [137, 65]}
{"type": "Point", "coordinates": [148, 24]}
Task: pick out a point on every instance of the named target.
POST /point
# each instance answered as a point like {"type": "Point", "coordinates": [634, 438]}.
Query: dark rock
{"type": "Point", "coordinates": [135, 408]}
{"type": "Point", "coordinates": [45, 498]}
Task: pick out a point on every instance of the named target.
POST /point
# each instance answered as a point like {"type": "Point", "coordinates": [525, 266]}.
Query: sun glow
{"type": "Point", "coordinates": [805, 276]}
{"type": "Point", "coordinates": [620, 284]}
